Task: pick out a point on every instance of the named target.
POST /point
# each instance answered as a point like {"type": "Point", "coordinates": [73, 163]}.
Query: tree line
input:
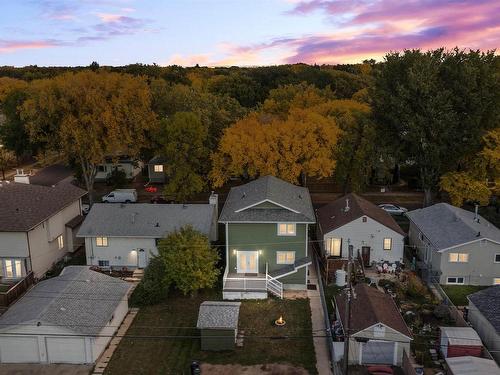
{"type": "Point", "coordinates": [435, 112]}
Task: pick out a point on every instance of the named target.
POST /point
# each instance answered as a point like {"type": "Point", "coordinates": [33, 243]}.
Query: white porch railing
{"type": "Point", "coordinates": [272, 285]}
{"type": "Point", "coordinates": [253, 283]}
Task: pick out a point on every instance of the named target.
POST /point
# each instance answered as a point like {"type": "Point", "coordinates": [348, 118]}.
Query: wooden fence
{"type": "Point", "coordinates": [17, 290]}
{"type": "Point", "coordinates": [408, 368]}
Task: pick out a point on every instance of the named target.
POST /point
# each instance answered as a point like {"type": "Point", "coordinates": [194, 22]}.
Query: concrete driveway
{"type": "Point", "coordinates": [35, 369]}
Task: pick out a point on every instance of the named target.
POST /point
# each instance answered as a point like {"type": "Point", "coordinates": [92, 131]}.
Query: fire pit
{"type": "Point", "coordinates": [280, 322]}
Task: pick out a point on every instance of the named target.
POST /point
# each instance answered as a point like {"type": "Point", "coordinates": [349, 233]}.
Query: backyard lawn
{"type": "Point", "coordinates": [174, 355]}
{"type": "Point", "coordinates": [458, 293]}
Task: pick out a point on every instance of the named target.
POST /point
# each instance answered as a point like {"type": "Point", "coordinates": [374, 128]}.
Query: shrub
{"type": "Point", "coordinates": [387, 284]}
{"type": "Point", "coordinates": [117, 178]}
{"type": "Point", "coordinates": [415, 288]}
{"type": "Point", "coordinates": [442, 312]}
{"type": "Point", "coordinates": [153, 288]}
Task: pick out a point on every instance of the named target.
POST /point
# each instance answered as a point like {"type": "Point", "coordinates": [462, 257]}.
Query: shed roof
{"type": "Point", "coordinates": [291, 203]}
{"type": "Point", "coordinates": [466, 336]}
{"type": "Point", "coordinates": [145, 219]}
{"type": "Point", "coordinates": [469, 365]}
{"type": "Point", "coordinates": [447, 226]}
{"type": "Point", "coordinates": [79, 300]}
{"type": "Point", "coordinates": [370, 307]}
{"type": "Point", "coordinates": [334, 215]}
{"type": "Point", "coordinates": [218, 314]}
{"type": "Point", "coordinates": [487, 301]}
{"type": "Point", "coordinates": [24, 206]}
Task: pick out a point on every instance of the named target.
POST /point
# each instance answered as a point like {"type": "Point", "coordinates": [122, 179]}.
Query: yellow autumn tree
{"type": "Point", "coordinates": [303, 144]}
{"type": "Point", "coordinates": [8, 84]}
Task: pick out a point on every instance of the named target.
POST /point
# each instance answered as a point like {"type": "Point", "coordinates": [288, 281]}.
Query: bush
{"type": "Point", "coordinates": [117, 179]}
{"type": "Point", "coordinates": [442, 312]}
{"type": "Point", "coordinates": [415, 287]}
{"type": "Point", "coordinates": [153, 288]}
{"type": "Point", "coordinates": [386, 284]}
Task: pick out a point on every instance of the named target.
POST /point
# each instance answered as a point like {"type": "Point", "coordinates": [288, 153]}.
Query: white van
{"type": "Point", "coordinates": [121, 196]}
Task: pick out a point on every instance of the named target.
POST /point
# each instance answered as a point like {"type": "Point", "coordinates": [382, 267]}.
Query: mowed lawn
{"type": "Point", "coordinates": [458, 293]}
{"type": "Point", "coordinates": [174, 355]}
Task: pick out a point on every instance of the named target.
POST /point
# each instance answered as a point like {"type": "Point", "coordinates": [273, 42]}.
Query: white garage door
{"type": "Point", "coordinates": [65, 349]}
{"type": "Point", "coordinates": [19, 349]}
{"type": "Point", "coordinates": [378, 352]}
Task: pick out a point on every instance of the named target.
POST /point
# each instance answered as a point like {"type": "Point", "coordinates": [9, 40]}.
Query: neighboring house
{"type": "Point", "coordinates": [131, 168]}
{"type": "Point", "coordinates": [460, 342]}
{"type": "Point", "coordinates": [48, 176]}
{"type": "Point", "coordinates": [126, 235]}
{"type": "Point", "coordinates": [266, 224]}
{"type": "Point", "coordinates": [157, 168]}
{"type": "Point", "coordinates": [37, 226]}
{"type": "Point", "coordinates": [378, 333]}
{"type": "Point", "coordinates": [455, 246]}
{"type": "Point", "coordinates": [352, 220]}
{"type": "Point", "coordinates": [66, 319]}
{"type": "Point", "coordinates": [484, 316]}
{"type": "Point", "coordinates": [471, 366]}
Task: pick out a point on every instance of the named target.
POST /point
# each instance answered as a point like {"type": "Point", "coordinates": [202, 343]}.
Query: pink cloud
{"type": "Point", "coordinates": [15, 45]}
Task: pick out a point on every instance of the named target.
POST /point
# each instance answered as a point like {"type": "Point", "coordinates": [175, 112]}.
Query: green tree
{"type": "Point", "coordinates": [7, 160]}
{"type": "Point", "coordinates": [190, 261]}
{"type": "Point", "coordinates": [153, 287]}
{"type": "Point", "coordinates": [183, 143]}
{"type": "Point", "coordinates": [88, 116]}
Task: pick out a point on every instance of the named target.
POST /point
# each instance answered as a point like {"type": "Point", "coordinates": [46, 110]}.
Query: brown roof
{"type": "Point", "coordinates": [24, 206]}
{"type": "Point", "coordinates": [334, 215]}
{"type": "Point", "coordinates": [371, 306]}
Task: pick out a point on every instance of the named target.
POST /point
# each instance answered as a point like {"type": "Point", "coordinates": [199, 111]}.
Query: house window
{"type": "Point", "coordinates": [103, 263]}
{"type": "Point", "coordinates": [497, 258]}
{"type": "Point", "coordinates": [12, 268]}
{"type": "Point", "coordinates": [333, 246]}
{"type": "Point", "coordinates": [101, 241]}
{"type": "Point", "coordinates": [60, 242]}
{"type": "Point", "coordinates": [455, 280]}
{"type": "Point", "coordinates": [158, 168]}
{"type": "Point", "coordinates": [101, 168]}
{"type": "Point", "coordinates": [458, 258]}
{"type": "Point", "coordinates": [286, 229]}
{"type": "Point", "coordinates": [387, 243]}
{"type": "Point", "coordinates": [285, 257]}
{"type": "Point", "coordinates": [496, 281]}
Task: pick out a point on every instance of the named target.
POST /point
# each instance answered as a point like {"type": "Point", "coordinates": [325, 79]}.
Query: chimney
{"type": "Point", "coordinates": [21, 177]}
{"type": "Point", "coordinates": [476, 213]}
{"type": "Point", "coordinates": [347, 208]}
{"type": "Point", "coordinates": [214, 201]}
{"type": "Point", "coordinates": [133, 217]}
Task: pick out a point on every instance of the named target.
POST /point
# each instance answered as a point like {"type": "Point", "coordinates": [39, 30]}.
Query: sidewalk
{"type": "Point", "coordinates": [318, 326]}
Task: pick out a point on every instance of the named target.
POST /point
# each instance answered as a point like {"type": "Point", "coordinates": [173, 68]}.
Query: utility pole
{"type": "Point", "coordinates": [347, 309]}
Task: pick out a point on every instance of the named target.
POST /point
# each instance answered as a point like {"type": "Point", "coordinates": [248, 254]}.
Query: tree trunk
{"type": "Point", "coordinates": [3, 174]}
{"type": "Point", "coordinates": [89, 171]}
{"type": "Point", "coordinates": [427, 196]}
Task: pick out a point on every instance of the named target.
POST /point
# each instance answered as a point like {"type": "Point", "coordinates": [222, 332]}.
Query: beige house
{"type": "Point", "coordinates": [37, 226]}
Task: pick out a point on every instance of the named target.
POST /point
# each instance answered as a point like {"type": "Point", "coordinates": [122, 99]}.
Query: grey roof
{"type": "Point", "coordinates": [446, 226]}
{"type": "Point", "coordinates": [469, 365]}
{"type": "Point", "coordinates": [79, 300]}
{"type": "Point", "coordinates": [268, 188]}
{"type": "Point", "coordinates": [52, 175]}
{"type": "Point", "coordinates": [487, 301]}
{"type": "Point", "coordinates": [218, 314]}
{"type": "Point", "coordinates": [158, 160]}
{"type": "Point", "coordinates": [145, 219]}
{"type": "Point", "coordinates": [24, 206]}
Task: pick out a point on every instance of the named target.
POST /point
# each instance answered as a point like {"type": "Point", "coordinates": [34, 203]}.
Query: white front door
{"type": "Point", "coordinates": [141, 258]}
{"type": "Point", "coordinates": [248, 262]}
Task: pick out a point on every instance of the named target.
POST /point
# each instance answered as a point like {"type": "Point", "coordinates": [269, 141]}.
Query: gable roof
{"type": "Point", "coordinates": [370, 307]}
{"type": "Point", "coordinates": [461, 336]}
{"type": "Point", "coordinates": [24, 206]}
{"type": "Point", "coordinates": [79, 300]}
{"type": "Point", "coordinates": [447, 226]}
{"type": "Point", "coordinates": [145, 219]}
{"type": "Point", "coordinates": [334, 215]}
{"type": "Point", "coordinates": [292, 203]}
{"type": "Point", "coordinates": [218, 314]}
{"type": "Point", "coordinates": [487, 301]}
{"type": "Point", "coordinates": [157, 160]}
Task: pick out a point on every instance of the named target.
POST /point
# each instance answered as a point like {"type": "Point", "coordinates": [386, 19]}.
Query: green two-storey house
{"type": "Point", "coordinates": [266, 223]}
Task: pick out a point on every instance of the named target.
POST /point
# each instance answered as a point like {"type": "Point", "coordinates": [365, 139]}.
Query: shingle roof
{"type": "Point", "coordinates": [158, 160]}
{"type": "Point", "coordinates": [79, 300]}
{"type": "Point", "coordinates": [145, 219]}
{"type": "Point", "coordinates": [371, 306]}
{"type": "Point", "coordinates": [334, 215]}
{"type": "Point", "coordinates": [51, 175]}
{"type": "Point", "coordinates": [461, 336]}
{"type": "Point", "coordinates": [469, 365]}
{"type": "Point", "coordinates": [24, 206]}
{"type": "Point", "coordinates": [218, 314]}
{"type": "Point", "coordinates": [487, 301]}
{"type": "Point", "coordinates": [290, 197]}
{"type": "Point", "coordinates": [446, 226]}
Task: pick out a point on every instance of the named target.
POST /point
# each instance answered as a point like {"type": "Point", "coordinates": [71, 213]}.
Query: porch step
{"type": "Point", "coordinates": [291, 268]}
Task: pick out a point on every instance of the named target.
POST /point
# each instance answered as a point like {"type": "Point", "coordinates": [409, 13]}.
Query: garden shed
{"type": "Point", "coordinates": [218, 324]}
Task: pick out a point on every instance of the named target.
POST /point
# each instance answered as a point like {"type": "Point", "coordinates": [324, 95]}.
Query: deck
{"type": "Point", "coordinates": [241, 281]}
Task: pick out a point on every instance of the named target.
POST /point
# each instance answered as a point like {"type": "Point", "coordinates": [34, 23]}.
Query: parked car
{"type": "Point", "coordinates": [393, 209]}
{"type": "Point", "coordinates": [121, 196]}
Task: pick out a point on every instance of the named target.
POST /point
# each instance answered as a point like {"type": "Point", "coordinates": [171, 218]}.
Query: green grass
{"type": "Point", "coordinates": [458, 293]}
{"type": "Point", "coordinates": [173, 356]}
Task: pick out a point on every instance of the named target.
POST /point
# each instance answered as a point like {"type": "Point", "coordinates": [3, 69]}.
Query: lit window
{"type": "Point", "coordinates": [101, 241]}
{"type": "Point", "coordinates": [496, 281]}
{"type": "Point", "coordinates": [13, 268]}
{"type": "Point", "coordinates": [9, 269]}
{"type": "Point", "coordinates": [333, 246]}
{"type": "Point", "coordinates": [387, 243]}
{"type": "Point", "coordinates": [60, 242]}
{"type": "Point", "coordinates": [458, 257]}
{"type": "Point", "coordinates": [286, 229]}
{"type": "Point", "coordinates": [497, 258]}
{"type": "Point", "coordinates": [285, 257]}
{"type": "Point", "coordinates": [158, 168]}
{"type": "Point", "coordinates": [455, 280]}
{"type": "Point", "coordinates": [103, 263]}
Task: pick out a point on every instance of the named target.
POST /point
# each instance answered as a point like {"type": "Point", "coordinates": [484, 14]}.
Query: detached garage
{"type": "Point", "coordinates": [66, 319]}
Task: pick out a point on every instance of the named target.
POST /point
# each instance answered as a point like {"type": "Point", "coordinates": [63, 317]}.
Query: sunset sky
{"type": "Point", "coordinates": [237, 32]}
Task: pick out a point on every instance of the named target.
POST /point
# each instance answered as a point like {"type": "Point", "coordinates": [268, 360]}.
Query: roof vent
{"type": "Point", "coordinates": [300, 196]}
{"type": "Point", "coordinates": [476, 213]}
{"type": "Point", "coordinates": [184, 205]}
{"type": "Point", "coordinates": [244, 195]}
{"type": "Point", "coordinates": [478, 234]}
{"type": "Point", "coordinates": [133, 217]}
{"type": "Point", "coordinates": [347, 208]}
{"type": "Point", "coordinates": [157, 225]}
{"type": "Point", "coordinates": [63, 309]}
